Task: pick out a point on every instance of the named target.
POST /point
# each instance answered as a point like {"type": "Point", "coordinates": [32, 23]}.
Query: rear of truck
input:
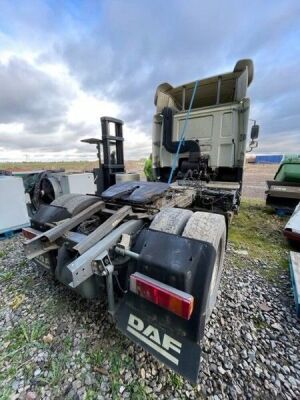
{"type": "Point", "coordinates": [158, 270]}
{"type": "Point", "coordinates": [213, 123]}
{"type": "Point", "coordinates": [153, 249]}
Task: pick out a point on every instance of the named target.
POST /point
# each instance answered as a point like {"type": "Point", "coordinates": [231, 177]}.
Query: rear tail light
{"type": "Point", "coordinates": [165, 296]}
{"type": "Point", "coordinates": [30, 233]}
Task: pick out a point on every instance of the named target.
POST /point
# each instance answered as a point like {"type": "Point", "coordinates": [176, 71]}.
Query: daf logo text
{"type": "Point", "coordinates": [153, 338]}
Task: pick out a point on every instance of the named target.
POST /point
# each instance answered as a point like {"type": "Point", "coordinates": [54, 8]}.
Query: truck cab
{"type": "Point", "coordinates": [215, 135]}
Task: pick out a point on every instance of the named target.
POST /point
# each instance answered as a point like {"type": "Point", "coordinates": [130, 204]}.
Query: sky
{"type": "Point", "coordinates": [64, 64]}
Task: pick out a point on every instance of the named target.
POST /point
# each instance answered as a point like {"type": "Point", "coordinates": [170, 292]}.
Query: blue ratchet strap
{"type": "Point", "coordinates": [182, 135]}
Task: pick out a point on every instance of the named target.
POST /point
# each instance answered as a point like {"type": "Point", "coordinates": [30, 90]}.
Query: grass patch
{"type": "Point", "coordinates": [23, 336]}
{"type": "Point", "coordinates": [259, 323]}
{"type": "Point", "coordinates": [6, 276]}
{"type": "Point", "coordinates": [2, 255]}
{"type": "Point", "coordinates": [259, 231]}
{"type": "Point", "coordinates": [91, 394]}
{"type": "Point", "coordinates": [56, 371]}
{"type": "Point", "coordinates": [118, 360]}
{"type": "Point", "coordinates": [176, 381]}
{"type": "Point", "coordinates": [137, 391]}
{"type": "Point", "coordinates": [66, 165]}
{"type": "Point", "coordinates": [34, 332]}
{"type": "Point", "coordinates": [20, 340]}
{"type": "Point", "coordinates": [56, 306]}
{"type": "Point", "coordinates": [23, 263]}
{"type": "Point", "coordinates": [28, 281]}
{"type": "Point", "coordinates": [68, 343]}
{"type": "Point", "coordinates": [97, 358]}
{"type": "Point", "coordinates": [6, 394]}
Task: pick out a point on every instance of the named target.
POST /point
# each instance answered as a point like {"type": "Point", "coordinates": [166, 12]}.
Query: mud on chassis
{"type": "Point", "coordinates": [158, 262]}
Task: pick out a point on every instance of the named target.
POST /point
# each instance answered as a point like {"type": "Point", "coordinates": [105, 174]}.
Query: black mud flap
{"type": "Point", "coordinates": [154, 331]}
{"type": "Point", "coordinates": [182, 263]}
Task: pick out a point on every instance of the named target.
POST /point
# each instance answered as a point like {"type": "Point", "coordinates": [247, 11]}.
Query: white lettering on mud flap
{"type": "Point", "coordinates": [151, 336]}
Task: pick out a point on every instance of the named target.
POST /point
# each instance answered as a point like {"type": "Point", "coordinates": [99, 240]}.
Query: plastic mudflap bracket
{"type": "Point", "coordinates": [155, 331]}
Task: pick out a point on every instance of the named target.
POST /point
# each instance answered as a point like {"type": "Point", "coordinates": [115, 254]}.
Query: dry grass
{"type": "Point", "coordinates": [72, 166]}
{"type": "Point", "coordinates": [259, 231]}
{"type": "Point", "coordinates": [69, 166]}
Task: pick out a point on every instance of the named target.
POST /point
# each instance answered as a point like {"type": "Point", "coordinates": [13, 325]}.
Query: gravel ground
{"type": "Point", "coordinates": [54, 345]}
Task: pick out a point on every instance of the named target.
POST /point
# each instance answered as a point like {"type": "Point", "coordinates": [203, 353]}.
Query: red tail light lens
{"type": "Point", "coordinates": [30, 233]}
{"type": "Point", "coordinates": [165, 296]}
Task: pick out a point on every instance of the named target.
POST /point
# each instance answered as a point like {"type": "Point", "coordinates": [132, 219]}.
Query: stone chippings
{"type": "Point", "coordinates": [250, 348]}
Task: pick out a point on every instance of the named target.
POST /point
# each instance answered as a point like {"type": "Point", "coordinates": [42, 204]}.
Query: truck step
{"type": "Point", "coordinates": [295, 278]}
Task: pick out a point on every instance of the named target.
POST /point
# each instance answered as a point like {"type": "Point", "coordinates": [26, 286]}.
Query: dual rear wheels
{"type": "Point", "coordinates": [203, 226]}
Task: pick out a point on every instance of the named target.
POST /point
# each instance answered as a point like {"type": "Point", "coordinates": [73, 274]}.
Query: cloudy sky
{"type": "Point", "coordinates": [63, 64]}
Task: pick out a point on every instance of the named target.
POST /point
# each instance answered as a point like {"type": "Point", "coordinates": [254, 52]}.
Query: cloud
{"type": "Point", "coordinates": [43, 110]}
{"type": "Point", "coordinates": [29, 94]}
{"type": "Point", "coordinates": [139, 47]}
{"type": "Point", "coordinates": [61, 68]}
{"type": "Point", "coordinates": [273, 144]}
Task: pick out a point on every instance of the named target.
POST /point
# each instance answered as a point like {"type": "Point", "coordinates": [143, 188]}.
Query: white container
{"type": "Point", "coordinates": [13, 210]}
{"type": "Point", "coordinates": [78, 183]}
{"type": "Point", "coordinates": [127, 177]}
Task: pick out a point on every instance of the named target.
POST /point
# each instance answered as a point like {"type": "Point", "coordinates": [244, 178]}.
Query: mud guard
{"type": "Point", "coordinates": [158, 337]}
{"type": "Point", "coordinates": [186, 264]}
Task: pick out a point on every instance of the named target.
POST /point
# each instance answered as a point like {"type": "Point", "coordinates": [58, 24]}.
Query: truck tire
{"type": "Point", "coordinates": [171, 220]}
{"type": "Point", "coordinates": [241, 65]}
{"type": "Point", "coordinates": [74, 203]}
{"type": "Point", "coordinates": [210, 228]}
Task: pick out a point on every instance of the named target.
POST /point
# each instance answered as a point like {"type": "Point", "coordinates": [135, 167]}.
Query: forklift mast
{"type": "Point", "coordinates": [113, 153]}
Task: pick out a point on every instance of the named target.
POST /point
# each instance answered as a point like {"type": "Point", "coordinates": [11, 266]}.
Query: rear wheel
{"type": "Point", "coordinates": [210, 228]}
{"type": "Point", "coordinates": [203, 226]}
{"type": "Point", "coordinates": [171, 220]}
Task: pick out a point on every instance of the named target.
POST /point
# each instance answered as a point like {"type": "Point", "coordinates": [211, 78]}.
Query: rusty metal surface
{"type": "Point", "coordinates": [81, 268]}
{"type": "Point", "coordinates": [46, 240]}
{"type": "Point", "coordinates": [69, 224]}
{"type": "Point", "coordinates": [102, 230]}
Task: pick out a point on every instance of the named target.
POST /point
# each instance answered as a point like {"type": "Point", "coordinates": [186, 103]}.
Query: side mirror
{"type": "Point", "coordinates": [254, 136]}
{"type": "Point", "coordinates": [254, 132]}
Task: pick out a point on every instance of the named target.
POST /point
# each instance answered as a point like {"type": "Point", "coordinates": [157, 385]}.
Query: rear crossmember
{"type": "Point", "coordinates": [156, 315]}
